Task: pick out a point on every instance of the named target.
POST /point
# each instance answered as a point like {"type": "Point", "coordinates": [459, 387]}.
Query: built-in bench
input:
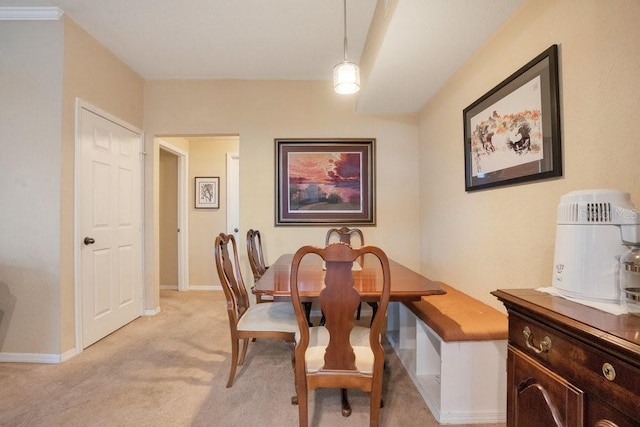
{"type": "Point", "coordinates": [454, 347]}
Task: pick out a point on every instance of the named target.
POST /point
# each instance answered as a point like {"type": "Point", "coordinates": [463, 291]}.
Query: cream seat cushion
{"type": "Point", "coordinates": [269, 316]}
{"type": "Point", "coordinates": [319, 339]}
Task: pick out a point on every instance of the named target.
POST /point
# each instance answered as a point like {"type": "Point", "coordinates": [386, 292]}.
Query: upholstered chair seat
{"type": "Point", "coordinates": [275, 316]}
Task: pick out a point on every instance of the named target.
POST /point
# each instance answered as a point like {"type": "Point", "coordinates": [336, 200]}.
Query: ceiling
{"type": "Point", "coordinates": [425, 41]}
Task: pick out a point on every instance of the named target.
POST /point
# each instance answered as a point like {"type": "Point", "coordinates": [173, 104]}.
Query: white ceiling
{"type": "Point", "coordinates": [425, 43]}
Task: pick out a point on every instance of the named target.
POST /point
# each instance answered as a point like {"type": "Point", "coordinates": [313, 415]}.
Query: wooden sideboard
{"type": "Point", "coordinates": [569, 364]}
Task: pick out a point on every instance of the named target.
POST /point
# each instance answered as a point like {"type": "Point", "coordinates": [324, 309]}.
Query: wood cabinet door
{"type": "Point", "coordinates": [599, 413]}
{"type": "Point", "coordinates": [538, 397]}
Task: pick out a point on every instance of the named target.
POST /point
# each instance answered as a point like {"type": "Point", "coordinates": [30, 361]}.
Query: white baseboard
{"type": "Point", "coordinates": [30, 357]}
{"type": "Point", "coordinates": [205, 287]}
{"type": "Point", "coordinates": [37, 357]}
{"type": "Point", "coordinates": [192, 288]}
{"type": "Point", "coordinates": [68, 354]}
{"type": "Point", "coordinates": [152, 312]}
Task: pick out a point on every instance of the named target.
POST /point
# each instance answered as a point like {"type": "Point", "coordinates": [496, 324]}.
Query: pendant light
{"type": "Point", "coordinates": [346, 74]}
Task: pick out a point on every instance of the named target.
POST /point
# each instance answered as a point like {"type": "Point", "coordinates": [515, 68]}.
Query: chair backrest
{"type": "Point", "coordinates": [256, 256]}
{"type": "Point", "coordinates": [344, 235]}
{"type": "Point", "coordinates": [339, 301]}
{"type": "Point", "coordinates": [228, 266]}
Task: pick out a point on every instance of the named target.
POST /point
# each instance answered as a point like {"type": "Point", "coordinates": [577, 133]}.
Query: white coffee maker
{"type": "Point", "coordinates": [593, 227]}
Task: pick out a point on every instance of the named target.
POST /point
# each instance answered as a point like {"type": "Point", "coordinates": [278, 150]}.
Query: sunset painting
{"type": "Point", "coordinates": [325, 181]}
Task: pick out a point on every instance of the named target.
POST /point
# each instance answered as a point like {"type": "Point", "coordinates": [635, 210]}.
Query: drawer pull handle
{"type": "Point", "coordinates": [545, 343]}
{"type": "Point", "coordinates": [605, 423]}
{"type": "Point", "coordinates": [609, 371]}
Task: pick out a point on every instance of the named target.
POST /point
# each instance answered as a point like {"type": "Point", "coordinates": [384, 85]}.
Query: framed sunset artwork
{"type": "Point", "coordinates": [325, 181]}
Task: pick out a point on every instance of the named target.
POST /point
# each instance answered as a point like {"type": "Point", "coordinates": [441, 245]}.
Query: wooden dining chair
{"type": "Point", "coordinates": [256, 259]}
{"type": "Point", "coordinates": [339, 354]}
{"type": "Point", "coordinates": [344, 235]}
{"type": "Point", "coordinates": [258, 266]}
{"type": "Point", "coordinates": [274, 320]}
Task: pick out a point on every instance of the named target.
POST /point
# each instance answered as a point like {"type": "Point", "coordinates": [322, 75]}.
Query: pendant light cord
{"type": "Point", "coordinates": [345, 30]}
{"type": "Point", "coordinates": [346, 74]}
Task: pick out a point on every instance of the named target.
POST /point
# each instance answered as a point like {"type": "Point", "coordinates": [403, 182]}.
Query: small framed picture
{"type": "Point", "coordinates": [207, 192]}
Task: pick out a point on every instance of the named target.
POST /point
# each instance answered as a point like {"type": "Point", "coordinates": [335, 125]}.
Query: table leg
{"type": "Point", "coordinates": [346, 407]}
{"type": "Point", "coordinates": [307, 312]}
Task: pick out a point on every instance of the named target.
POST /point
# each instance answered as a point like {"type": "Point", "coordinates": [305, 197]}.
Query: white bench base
{"type": "Point", "coordinates": [462, 382]}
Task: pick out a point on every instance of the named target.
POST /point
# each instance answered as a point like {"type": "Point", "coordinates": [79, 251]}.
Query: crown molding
{"type": "Point", "coordinates": [30, 13]}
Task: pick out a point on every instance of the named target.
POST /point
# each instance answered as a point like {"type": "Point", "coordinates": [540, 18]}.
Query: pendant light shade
{"type": "Point", "coordinates": [346, 75]}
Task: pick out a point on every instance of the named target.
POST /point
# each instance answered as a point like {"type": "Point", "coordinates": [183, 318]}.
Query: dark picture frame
{"type": "Point", "coordinates": [207, 192]}
{"type": "Point", "coordinates": [325, 181]}
{"type": "Point", "coordinates": [512, 133]}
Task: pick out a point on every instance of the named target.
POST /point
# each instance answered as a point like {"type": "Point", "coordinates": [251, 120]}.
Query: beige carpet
{"type": "Point", "coordinates": [171, 370]}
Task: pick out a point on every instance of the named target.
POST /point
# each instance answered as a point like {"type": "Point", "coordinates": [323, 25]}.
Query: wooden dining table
{"type": "Point", "coordinates": [406, 284]}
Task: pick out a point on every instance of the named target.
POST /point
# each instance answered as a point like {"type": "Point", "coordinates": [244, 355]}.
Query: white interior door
{"type": "Point", "coordinates": [233, 195]}
{"type": "Point", "coordinates": [110, 225]}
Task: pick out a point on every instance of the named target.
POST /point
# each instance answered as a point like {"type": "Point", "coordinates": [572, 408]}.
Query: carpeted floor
{"type": "Point", "coordinates": [171, 370]}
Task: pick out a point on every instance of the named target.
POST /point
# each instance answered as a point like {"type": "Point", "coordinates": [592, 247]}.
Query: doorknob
{"type": "Point", "coordinates": [89, 241]}
{"type": "Point", "coordinates": [235, 230]}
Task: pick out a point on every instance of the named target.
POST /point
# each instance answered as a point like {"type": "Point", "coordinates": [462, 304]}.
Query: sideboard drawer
{"type": "Point", "coordinates": [544, 344]}
{"type": "Point", "coordinates": [603, 374]}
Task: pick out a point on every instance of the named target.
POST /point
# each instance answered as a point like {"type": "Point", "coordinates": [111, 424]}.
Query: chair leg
{"type": "Point", "coordinates": [374, 308]}
{"type": "Point", "coordinates": [301, 399]}
{"type": "Point", "coordinates": [303, 408]}
{"type": "Point", "coordinates": [346, 406]}
{"type": "Point", "coordinates": [245, 345]}
{"type": "Point", "coordinates": [294, 399]}
{"type": "Point", "coordinates": [234, 362]}
{"type": "Point", "coordinates": [359, 311]}
{"type": "Point", "coordinates": [376, 404]}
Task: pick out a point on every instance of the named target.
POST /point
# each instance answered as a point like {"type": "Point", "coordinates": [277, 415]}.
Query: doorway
{"type": "Point", "coordinates": [204, 156]}
{"type": "Point", "coordinates": [173, 216]}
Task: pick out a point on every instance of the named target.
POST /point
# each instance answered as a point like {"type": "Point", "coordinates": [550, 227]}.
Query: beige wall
{"type": "Point", "coordinates": [31, 73]}
{"type": "Point", "coordinates": [55, 62]}
{"type": "Point", "coordinates": [504, 237]}
{"type": "Point", "coordinates": [259, 111]}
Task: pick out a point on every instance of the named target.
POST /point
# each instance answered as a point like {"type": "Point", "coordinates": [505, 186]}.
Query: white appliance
{"type": "Point", "coordinates": [593, 227]}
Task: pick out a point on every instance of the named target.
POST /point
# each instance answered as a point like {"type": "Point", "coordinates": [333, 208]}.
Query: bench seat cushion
{"type": "Point", "coordinates": [455, 316]}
